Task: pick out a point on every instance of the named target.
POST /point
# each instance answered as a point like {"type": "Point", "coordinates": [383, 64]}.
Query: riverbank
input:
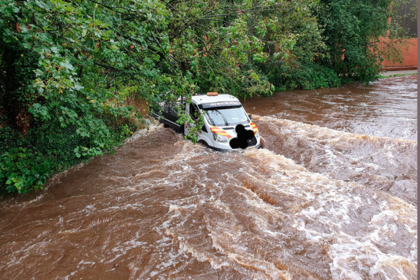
{"type": "Point", "coordinates": [388, 74]}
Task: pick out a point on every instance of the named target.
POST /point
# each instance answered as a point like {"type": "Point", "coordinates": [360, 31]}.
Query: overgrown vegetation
{"type": "Point", "coordinates": [67, 67]}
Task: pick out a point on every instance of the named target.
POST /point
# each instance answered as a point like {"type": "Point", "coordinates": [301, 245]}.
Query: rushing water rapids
{"type": "Point", "coordinates": [328, 198]}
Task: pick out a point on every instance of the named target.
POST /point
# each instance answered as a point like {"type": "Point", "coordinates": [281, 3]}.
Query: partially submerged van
{"type": "Point", "coordinates": [226, 125]}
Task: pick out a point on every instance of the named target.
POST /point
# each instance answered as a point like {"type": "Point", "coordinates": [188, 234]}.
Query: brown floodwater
{"type": "Point", "coordinates": [385, 108]}
{"type": "Point", "coordinates": [332, 196]}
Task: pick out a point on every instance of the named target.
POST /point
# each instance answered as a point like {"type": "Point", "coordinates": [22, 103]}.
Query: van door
{"type": "Point", "coordinates": [195, 115]}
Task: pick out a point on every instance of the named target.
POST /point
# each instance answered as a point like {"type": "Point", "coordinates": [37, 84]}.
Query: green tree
{"type": "Point", "coordinates": [66, 69]}
{"type": "Point", "coordinates": [353, 29]}
{"type": "Point", "coordinates": [294, 43]}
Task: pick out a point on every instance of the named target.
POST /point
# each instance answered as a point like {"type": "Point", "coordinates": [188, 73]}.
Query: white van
{"type": "Point", "coordinates": [226, 124]}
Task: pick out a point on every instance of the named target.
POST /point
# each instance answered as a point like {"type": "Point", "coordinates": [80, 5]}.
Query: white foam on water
{"type": "Point", "coordinates": [253, 214]}
{"type": "Point", "coordinates": [382, 162]}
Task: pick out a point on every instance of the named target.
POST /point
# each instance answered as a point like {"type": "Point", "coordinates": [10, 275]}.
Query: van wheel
{"type": "Point", "coordinates": [203, 143]}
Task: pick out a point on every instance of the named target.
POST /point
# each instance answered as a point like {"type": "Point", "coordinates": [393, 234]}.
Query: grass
{"type": "Point", "coordinates": [395, 75]}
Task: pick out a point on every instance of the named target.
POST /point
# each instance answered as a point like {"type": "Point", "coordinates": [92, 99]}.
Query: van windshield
{"type": "Point", "coordinates": [226, 116]}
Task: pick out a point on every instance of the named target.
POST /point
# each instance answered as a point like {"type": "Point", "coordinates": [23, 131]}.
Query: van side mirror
{"type": "Point", "coordinates": [250, 116]}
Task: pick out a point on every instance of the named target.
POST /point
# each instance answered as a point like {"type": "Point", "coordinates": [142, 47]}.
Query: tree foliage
{"type": "Point", "coordinates": [355, 34]}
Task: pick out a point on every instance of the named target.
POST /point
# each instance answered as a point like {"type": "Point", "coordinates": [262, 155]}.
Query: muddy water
{"type": "Point", "coordinates": [322, 201]}
{"type": "Point", "coordinates": [386, 108]}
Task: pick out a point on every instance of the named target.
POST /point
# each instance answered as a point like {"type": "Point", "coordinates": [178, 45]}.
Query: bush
{"type": "Point", "coordinates": [27, 162]}
{"type": "Point", "coordinates": [23, 169]}
{"type": "Point", "coordinates": [301, 76]}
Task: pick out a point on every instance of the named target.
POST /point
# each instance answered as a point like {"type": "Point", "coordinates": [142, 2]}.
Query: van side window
{"type": "Point", "coordinates": [194, 112]}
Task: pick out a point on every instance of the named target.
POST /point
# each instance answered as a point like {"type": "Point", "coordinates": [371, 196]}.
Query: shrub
{"type": "Point", "coordinates": [23, 169]}
{"type": "Point", "coordinates": [301, 76]}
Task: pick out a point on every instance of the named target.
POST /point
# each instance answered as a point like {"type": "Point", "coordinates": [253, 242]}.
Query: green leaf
{"type": "Point", "coordinates": [67, 65]}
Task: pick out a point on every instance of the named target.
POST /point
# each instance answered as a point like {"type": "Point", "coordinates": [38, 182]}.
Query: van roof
{"type": "Point", "coordinates": [200, 99]}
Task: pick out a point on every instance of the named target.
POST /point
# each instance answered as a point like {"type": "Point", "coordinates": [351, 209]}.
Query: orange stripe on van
{"type": "Point", "coordinates": [254, 127]}
{"type": "Point", "coordinates": [219, 131]}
